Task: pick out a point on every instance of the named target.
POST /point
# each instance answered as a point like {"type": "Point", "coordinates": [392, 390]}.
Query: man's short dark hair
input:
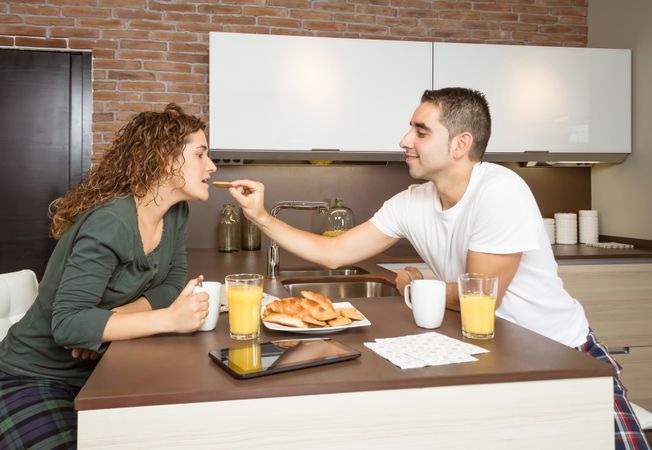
{"type": "Point", "coordinates": [463, 110]}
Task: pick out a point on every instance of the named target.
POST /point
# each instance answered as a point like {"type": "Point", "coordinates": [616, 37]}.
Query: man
{"type": "Point", "coordinates": [469, 216]}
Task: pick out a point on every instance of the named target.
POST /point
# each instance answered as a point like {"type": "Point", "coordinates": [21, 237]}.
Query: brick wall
{"type": "Point", "coordinates": [147, 53]}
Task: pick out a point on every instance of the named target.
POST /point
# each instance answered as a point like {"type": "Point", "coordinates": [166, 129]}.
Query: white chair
{"type": "Point", "coordinates": [18, 290]}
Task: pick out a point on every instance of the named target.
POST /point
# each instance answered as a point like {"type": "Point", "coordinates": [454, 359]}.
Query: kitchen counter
{"type": "Point", "coordinates": [165, 390]}
{"type": "Point", "coordinates": [565, 254]}
{"type": "Point", "coordinates": [582, 253]}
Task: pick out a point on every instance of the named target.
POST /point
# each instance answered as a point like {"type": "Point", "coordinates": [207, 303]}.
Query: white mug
{"type": "Point", "coordinates": [212, 288]}
{"type": "Point", "coordinates": [427, 300]}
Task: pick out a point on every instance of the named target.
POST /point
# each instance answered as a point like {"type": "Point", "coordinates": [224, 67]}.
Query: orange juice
{"type": "Point", "coordinates": [244, 309]}
{"type": "Point", "coordinates": [247, 358]}
{"type": "Point", "coordinates": [477, 315]}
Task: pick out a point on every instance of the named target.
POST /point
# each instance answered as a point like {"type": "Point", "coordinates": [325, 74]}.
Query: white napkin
{"type": "Point", "coordinates": [427, 349]}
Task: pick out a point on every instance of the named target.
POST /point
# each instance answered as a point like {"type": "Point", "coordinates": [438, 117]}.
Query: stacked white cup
{"type": "Point", "coordinates": [549, 225]}
{"type": "Point", "coordinates": [588, 226]}
{"type": "Point", "coordinates": [566, 228]}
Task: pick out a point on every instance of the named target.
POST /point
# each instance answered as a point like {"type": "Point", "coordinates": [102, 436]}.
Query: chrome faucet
{"type": "Point", "coordinates": [273, 251]}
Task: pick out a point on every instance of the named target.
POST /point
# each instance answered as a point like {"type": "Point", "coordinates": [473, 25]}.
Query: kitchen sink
{"type": "Point", "coordinates": [343, 287]}
{"type": "Point", "coordinates": [296, 273]}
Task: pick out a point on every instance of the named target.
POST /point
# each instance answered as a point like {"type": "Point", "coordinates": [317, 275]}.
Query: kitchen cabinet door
{"type": "Point", "coordinates": [545, 99]}
{"type": "Point", "coordinates": [45, 137]}
{"type": "Point", "coordinates": [296, 93]}
{"type": "Point", "coordinates": [617, 299]}
{"type": "Point", "coordinates": [637, 375]}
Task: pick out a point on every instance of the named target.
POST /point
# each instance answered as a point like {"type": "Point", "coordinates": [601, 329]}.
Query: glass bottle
{"type": "Point", "coordinates": [228, 230]}
{"type": "Point", "coordinates": [339, 218]}
{"type": "Point", "coordinates": [250, 238]}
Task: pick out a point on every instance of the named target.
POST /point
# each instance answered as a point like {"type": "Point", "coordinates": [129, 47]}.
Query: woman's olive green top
{"type": "Point", "coordinates": [98, 264]}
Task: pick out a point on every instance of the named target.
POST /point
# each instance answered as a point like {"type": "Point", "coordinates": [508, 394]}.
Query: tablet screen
{"type": "Point", "coordinates": [253, 359]}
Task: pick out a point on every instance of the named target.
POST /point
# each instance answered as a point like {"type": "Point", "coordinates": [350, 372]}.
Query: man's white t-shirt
{"type": "Point", "coordinates": [497, 214]}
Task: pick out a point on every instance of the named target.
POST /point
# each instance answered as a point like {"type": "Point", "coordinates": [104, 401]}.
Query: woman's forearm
{"type": "Point", "coordinates": [185, 315]}
{"type": "Point", "coordinates": [121, 326]}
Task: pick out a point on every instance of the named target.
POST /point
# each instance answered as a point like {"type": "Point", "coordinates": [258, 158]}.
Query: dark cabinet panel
{"type": "Point", "coordinates": [44, 146]}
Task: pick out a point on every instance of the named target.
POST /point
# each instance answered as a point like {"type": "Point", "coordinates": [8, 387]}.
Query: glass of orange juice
{"type": "Point", "coordinates": [477, 304]}
{"type": "Point", "coordinates": [244, 292]}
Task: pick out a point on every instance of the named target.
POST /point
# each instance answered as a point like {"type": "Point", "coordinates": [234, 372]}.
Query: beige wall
{"type": "Point", "coordinates": [623, 193]}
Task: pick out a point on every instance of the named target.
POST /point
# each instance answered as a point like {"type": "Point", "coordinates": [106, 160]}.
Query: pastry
{"type": "Point", "coordinates": [287, 320]}
{"type": "Point", "coordinates": [312, 310]}
{"type": "Point", "coordinates": [324, 301]}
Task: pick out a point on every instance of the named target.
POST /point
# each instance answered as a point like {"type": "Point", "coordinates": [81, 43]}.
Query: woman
{"type": "Point", "coordinates": [116, 273]}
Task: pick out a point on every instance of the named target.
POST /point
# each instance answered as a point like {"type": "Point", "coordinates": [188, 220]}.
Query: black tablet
{"type": "Point", "coordinates": [255, 359]}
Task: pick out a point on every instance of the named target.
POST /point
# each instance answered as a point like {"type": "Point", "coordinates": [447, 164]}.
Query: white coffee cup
{"type": "Point", "coordinates": [427, 300]}
{"type": "Point", "coordinates": [212, 288]}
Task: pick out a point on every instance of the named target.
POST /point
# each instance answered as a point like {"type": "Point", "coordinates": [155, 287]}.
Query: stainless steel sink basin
{"type": "Point", "coordinates": [296, 273]}
{"type": "Point", "coordinates": [343, 287]}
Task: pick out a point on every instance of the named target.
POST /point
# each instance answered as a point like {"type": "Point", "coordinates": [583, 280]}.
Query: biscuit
{"type": "Point", "coordinates": [312, 321]}
{"type": "Point", "coordinates": [339, 321]}
{"type": "Point", "coordinates": [222, 184]}
{"type": "Point", "coordinates": [351, 313]}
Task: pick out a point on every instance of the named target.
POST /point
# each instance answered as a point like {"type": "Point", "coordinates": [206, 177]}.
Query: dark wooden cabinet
{"type": "Point", "coordinates": [45, 146]}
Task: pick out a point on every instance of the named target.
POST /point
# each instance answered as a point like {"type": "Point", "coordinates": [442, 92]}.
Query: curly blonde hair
{"type": "Point", "coordinates": [137, 162]}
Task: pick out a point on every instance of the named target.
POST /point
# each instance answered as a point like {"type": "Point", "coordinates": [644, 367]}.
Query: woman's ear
{"type": "Point", "coordinates": [175, 163]}
{"type": "Point", "coordinates": [173, 171]}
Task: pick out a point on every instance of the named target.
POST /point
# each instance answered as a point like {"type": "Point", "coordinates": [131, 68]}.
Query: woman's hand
{"type": "Point", "coordinates": [406, 276]}
{"type": "Point", "coordinates": [250, 195]}
{"type": "Point", "coordinates": [188, 312]}
{"type": "Point", "coordinates": [84, 353]}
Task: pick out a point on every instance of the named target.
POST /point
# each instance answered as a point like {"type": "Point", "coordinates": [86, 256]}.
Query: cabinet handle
{"type": "Point", "coordinates": [619, 350]}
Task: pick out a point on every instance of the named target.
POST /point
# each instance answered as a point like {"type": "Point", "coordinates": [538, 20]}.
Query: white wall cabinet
{"type": "Point", "coordinates": [274, 94]}
{"type": "Point", "coordinates": [545, 99]}
{"type": "Point", "coordinates": [295, 93]}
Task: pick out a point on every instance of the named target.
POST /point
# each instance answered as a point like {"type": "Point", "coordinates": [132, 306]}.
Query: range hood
{"type": "Point", "coordinates": [308, 155]}
{"type": "Point", "coordinates": [552, 159]}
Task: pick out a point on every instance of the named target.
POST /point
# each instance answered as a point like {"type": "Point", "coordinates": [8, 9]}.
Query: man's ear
{"type": "Point", "coordinates": [462, 145]}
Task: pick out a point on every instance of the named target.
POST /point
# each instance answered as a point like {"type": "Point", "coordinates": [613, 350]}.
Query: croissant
{"type": "Point", "coordinates": [324, 301]}
{"type": "Point", "coordinates": [289, 305]}
{"type": "Point", "coordinates": [286, 320]}
{"type": "Point", "coordinates": [311, 310]}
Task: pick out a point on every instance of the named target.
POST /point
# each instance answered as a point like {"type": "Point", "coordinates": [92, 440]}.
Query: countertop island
{"type": "Point", "coordinates": [164, 391]}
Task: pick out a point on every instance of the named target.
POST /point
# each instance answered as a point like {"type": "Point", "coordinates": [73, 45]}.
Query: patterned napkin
{"type": "Point", "coordinates": [427, 349]}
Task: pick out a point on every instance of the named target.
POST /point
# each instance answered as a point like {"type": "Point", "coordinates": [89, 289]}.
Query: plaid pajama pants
{"type": "Point", "coordinates": [37, 413]}
{"type": "Point", "coordinates": [629, 435]}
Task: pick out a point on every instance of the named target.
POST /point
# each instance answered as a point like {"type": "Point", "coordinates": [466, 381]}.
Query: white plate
{"type": "Point", "coordinates": [355, 324]}
{"type": "Point", "coordinates": [224, 303]}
